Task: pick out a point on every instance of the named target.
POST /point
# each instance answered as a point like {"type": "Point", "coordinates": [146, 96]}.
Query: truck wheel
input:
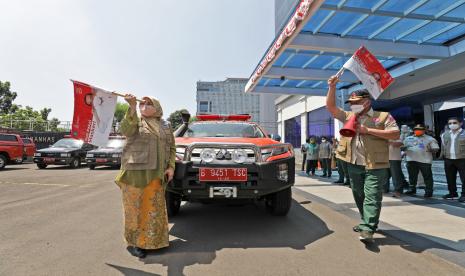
{"type": "Point", "coordinates": [279, 203]}
{"type": "Point", "coordinates": [3, 161]}
{"type": "Point", "coordinates": [75, 163]}
{"type": "Point", "coordinates": [41, 165]}
{"type": "Point", "coordinates": [173, 203]}
{"type": "Point", "coordinates": [91, 167]}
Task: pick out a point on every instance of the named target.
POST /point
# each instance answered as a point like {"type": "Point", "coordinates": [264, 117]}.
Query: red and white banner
{"type": "Point", "coordinates": [94, 109]}
{"type": "Point", "coordinates": [369, 71]}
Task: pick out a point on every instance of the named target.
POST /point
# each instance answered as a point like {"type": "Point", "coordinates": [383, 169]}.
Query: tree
{"type": "Point", "coordinates": [120, 110]}
{"type": "Point", "coordinates": [44, 112]}
{"type": "Point", "coordinates": [175, 118]}
{"type": "Point", "coordinates": [6, 98]}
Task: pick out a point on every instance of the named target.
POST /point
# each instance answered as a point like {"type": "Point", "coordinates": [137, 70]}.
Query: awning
{"type": "Point", "coordinates": [321, 35]}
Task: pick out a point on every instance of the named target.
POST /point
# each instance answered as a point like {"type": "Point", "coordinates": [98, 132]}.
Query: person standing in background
{"type": "Point", "coordinates": [324, 154]}
{"type": "Point", "coordinates": [312, 156]}
{"type": "Point", "coordinates": [303, 150]}
{"type": "Point", "coordinates": [395, 169]}
{"type": "Point", "coordinates": [453, 151]}
{"type": "Point", "coordinates": [419, 149]}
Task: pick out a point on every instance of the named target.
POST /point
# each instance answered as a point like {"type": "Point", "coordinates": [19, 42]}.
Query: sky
{"type": "Point", "coordinates": [146, 47]}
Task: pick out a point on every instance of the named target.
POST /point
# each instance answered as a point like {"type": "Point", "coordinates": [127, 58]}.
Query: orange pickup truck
{"type": "Point", "coordinates": [11, 149]}
{"type": "Point", "coordinates": [228, 158]}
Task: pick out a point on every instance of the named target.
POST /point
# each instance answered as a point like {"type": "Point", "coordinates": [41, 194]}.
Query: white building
{"type": "Point", "coordinates": [228, 97]}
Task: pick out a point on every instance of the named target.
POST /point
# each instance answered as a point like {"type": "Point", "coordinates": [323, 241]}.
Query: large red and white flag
{"type": "Point", "coordinates": [94, 109]}
{"type": "Point", "coordinates": [369, 71]}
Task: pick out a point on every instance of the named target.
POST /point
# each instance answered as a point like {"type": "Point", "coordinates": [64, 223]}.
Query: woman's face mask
{"type": "Point", "coordinates": [147, 109]}
{"type": "Point", "coordinates": [323, 140]}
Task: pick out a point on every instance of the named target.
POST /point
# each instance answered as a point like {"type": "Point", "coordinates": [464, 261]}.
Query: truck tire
{"type": "Point", "coordinates": [41, 166]}
{"type": "Point", "coordinates": [3, 161]}
{"type": "Point", "coordinates": [75, 163]}
{"type": "Point", "coordinates": [173, 203]}
{"type": "Point", "coordinates": [279, 203]}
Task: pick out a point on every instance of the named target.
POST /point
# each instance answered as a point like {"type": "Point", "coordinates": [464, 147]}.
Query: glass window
{"type": "Point", "coordinates": [68, 143]}
{"type": "Point", "coordinates": [6, 137]}
{"type": "Point", "coordinates": [320, 123]}
{"type": "Point", "coordinates": [292, 131]}
{"type": "Point", "coordinates": [203, 106]}
{"type": "Point", "coordinates": [222, 129]}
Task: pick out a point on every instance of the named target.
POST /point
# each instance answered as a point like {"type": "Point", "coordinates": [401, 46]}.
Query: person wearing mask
{"type": "Point", "coordinates": [419, 149]}
{"type": "Point", "coordinates": [324, 154]}
{"type": "Point", "coordinates": [341, 166]}
{"type": "Point", "coordinates": [303, 150]}
{"type": "Point", "coordinates": [395, 168]}
{"type": "Point", "coordinates": [453, 152]}
{"type": "Point", "coordinates": [312, 156]}
{"type": "Point", "coordinates": [405, 131]}
{"type": "Point", "coordinates": [147, 165]}
{"type": "Point", "coordinates": [367, 154]}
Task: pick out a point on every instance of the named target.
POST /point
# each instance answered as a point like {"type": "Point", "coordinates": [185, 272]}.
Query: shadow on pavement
{"type": "Point", "coordinates": [203, 230]}
{"type": "Point", "coordinates": [130, 271]}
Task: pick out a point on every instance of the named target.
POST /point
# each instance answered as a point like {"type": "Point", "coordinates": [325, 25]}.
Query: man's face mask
{"type": "Point", "coordinates": [419, 132]}
{"type": "Point", "coordinates": [454, 125]}
{"type": "Point", "coordinates": [323, 140]}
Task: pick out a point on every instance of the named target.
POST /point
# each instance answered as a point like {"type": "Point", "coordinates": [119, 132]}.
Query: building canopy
{"type": "Point", "coordinates": [321, 35]}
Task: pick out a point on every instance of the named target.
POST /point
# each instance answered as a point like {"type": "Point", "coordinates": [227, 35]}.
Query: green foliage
{"type": "Point", "coordinates": [6, 98]}
{"type": "Point", "coordinates": [120, 110]}
{"type": "Point", "coordinates": [175, 118]}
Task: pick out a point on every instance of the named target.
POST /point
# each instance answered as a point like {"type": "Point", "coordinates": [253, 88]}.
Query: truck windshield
{"type": "Point", "coordinates": [68, 143]}
{"type": "Point", "coordinates": [224, 129]}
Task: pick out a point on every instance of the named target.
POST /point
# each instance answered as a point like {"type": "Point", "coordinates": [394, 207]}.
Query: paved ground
{"type": "Point", "coordinates": [69, 222]}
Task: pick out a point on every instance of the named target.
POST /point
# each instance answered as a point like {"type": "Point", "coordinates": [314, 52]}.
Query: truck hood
{"type": "Point", "coordinates": [183, 141]}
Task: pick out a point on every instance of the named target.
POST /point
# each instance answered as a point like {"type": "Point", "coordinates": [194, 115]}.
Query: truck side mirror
{"type": "Point", "coordinates": [275, 137]}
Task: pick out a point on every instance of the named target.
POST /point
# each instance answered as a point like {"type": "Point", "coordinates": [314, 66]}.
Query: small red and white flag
{"type": "Point", "coordinates": [94, 109]}
{"type": "Point", "coordinates": [369, 71]}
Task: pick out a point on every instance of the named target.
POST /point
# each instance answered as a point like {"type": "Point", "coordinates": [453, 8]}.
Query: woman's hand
{"type": "Point", "coordinates": [169, 173]}
{"type": "Point", "coordinates": [131, 99]}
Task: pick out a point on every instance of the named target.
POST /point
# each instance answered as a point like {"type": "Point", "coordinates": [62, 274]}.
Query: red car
{"type": "Point", "coordinates": [228, 158]}
{"type": "Point", "coordinates": [29, 149]}
{"type": "Point", "coordinates": [11, 149]}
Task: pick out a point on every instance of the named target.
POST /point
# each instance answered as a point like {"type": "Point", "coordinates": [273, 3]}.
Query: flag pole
{"type": "Point", "coordinates": [114, 93]}
{"type": "Point", "coordinates": [340, 72]}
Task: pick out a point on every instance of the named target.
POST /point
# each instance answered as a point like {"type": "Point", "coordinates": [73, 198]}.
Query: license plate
{"type": "Point", "coordinates": [223, 174]}
{"type": "Point", "coordinates": [49, 159]}
{"type": "Point", "coordinates": [101, 160]}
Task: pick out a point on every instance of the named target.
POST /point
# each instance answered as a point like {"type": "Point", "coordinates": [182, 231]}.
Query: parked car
{"type": "Point", "coordinates": [11, 149]}
{"type": "Point", "coordinates": [108, 155]}
{"type": "Point", "coordinates": [230, 158]}
{"type": "Point", "coordinates": [29, 149]}
{"type": "Point", "coordinates": [66, 151]}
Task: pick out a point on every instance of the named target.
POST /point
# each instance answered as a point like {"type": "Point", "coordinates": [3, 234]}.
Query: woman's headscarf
{"type": "Point", "coordinates": [153, 123]}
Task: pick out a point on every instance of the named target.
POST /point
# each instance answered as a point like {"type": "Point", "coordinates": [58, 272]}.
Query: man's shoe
{"type": "Point", "coordinates": [396, 194]}
{"type": "Point", "coordinates": [451, 196]}
{"type": "Point", "coordinates": [366, 236]}
{"type": "Point", "coordinates": [137, 252]}
{"type": "Point", "coordinates": [462, 198]}
{"type": "Point", "coordinates": [411, 192]}
{"type": "Point", "coordinates": [347, 184]}
{"type": "Point", "coordinates": [356, 228]}
{"type": "Point", "coordinates": [338, 182]}
{"type": "Point", "coordinates": [428, 195]}
{"type": "Point", "coordinates": [324, 175]}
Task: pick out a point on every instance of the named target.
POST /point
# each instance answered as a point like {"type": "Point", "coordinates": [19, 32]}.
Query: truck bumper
{"type": "Point", "coordinates": [262, 179]}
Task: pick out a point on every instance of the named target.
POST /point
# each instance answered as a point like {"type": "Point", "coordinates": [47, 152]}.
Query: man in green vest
{"type": "Point", "coordinates": [367, 154]}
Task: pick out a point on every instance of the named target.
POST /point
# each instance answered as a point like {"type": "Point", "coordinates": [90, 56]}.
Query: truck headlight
{"type": "Point", "coordinates": [207, 155]}
{"type": "Point", "coordinates": [180, 152]}
{"type": "Point", "coordinates": [37, 154]}
{"type": "Point", "coordinates": [65, 155]}
{"type": "Point", "coordinates": [90, 155]}
{"type": "Point", "coordinates": [283, 174]}
{"type": "Point", "coordinates": [269, 152]}
{"type": "Point", "coordinates": [239, 156]}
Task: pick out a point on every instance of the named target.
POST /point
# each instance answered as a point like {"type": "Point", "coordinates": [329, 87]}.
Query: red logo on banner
{"type": "Point", "coordinates": [82, 119]}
